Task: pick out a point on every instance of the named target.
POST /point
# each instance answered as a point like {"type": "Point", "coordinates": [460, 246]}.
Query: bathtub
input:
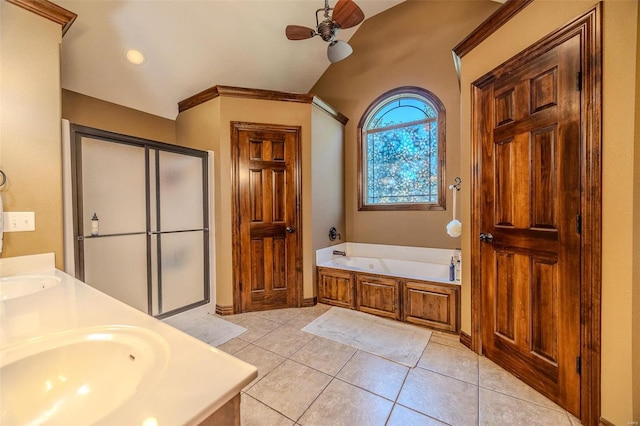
{"type": "Point", "coordinates": [409, 284]}
{"type": "Point", "coordinates": [426, 264]}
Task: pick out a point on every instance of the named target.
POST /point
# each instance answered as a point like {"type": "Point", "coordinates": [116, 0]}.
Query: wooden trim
{"type": "Point", "coordinates": [265, 95]}
{"type": "Point", "coordinates": [477, 106]}
{"type": "Point", "coordinates": [605, 422]}
{"type": "Point", "coordinates": [309, 302]}
{"type": "Point", "coordinates": [224, 310]}
{"type": "Point", "coordinates": [589, 27]}
{"type": "Point", "coordinates": [241, 92]}
{"type": "Point", "coordinates": [591, 204]}
{"type": "Point", "coordinates": [316, 101]}
{"type": "Point", "coordinates": [48, 10]}
{"type": "Point", "coordinates": [490, 25]}
{"type": "Point", "coordinates": [465, 339]}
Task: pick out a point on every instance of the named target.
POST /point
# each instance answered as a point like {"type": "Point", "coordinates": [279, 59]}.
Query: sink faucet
{"type": "Point", "coordinates": [339, 253]}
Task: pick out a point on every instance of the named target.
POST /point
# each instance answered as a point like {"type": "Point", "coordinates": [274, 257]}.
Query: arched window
{"type": "Point", "coordinates": [401, 147]}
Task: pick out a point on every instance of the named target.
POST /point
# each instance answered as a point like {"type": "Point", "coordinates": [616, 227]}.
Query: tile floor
{"type": "Point", "coordinates": [307, 380]}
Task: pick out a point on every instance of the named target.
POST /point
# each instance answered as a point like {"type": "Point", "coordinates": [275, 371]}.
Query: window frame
{"type": "Point", "coordinates": [441, 122]}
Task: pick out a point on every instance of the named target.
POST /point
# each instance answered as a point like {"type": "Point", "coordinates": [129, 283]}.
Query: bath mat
{"type": "Point", "coordinates": [208, 328]}
{"type": "Point", "coordinates": [390, 339]}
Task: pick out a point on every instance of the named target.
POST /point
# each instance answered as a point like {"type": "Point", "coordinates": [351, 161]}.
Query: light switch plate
{"type": "Point", "coordinates": [19, 221]}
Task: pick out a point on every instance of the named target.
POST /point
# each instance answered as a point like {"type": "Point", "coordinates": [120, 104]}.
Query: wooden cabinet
{"type": "Point", "coordinates": [432, 305]}
{"type": "Point", "coordinates": [378, 295]}
{"type": "Point", "coordinates": [335, 287]}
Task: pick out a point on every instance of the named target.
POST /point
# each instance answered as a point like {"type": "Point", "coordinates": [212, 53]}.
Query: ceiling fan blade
{"type": "Point", "coordinates": [347, 14]}
{"type": "Point", "coordinates": [296, 32]}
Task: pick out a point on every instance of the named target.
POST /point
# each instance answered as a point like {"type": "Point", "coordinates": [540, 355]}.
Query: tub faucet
{"type": "Point", "coordinates": [339, 253]}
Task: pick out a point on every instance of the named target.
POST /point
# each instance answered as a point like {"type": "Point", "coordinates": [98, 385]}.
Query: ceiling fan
{"type": "Point", "coordinates": [345, 14]}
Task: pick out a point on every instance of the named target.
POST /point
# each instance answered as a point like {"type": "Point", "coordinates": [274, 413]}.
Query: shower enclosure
{"type": "Point", "coordinates": [141, 220]}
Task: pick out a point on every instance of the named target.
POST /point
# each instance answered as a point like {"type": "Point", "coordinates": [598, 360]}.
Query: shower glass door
{"type": "Point", "coordinates": [151, 250]}
{"type": "Point", "coordinates": [178, 232]}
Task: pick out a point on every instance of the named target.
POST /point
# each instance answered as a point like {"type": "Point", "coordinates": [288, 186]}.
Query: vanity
{"type": "Point", "coordinates": [70, 354]}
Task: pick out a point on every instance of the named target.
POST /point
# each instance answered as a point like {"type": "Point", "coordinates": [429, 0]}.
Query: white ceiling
{"type": "Point", "coordinates": [191, 45]}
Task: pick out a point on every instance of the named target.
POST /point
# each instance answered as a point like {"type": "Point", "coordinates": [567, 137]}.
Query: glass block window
{"type": "Point", "coordinates": [402, 152]}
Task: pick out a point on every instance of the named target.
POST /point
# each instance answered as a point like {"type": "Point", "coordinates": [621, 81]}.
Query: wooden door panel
{"type": "Point", "coordinates": [278, 196]}
{"type": "Point", "coordinates": [530, 186]}
{"type": "Point", "coordinates": [255, 197]}
{"type": "Point", "coordinates": [505, 300]}
{"type": "Point", "coordinates": [378, 296]}
{"type": "Point", "coordinates": [266, 254]}
{"type": "Point", "coordinates": [279, 260]}
{"type": "Point", "coordinates": [335, 287]}
{"type": "Point", "coordinates": [434, 306]}
{"type": "Point", "coordinates": [544, 180]}
{"type": "Point", "coordinates": [544, 90]}
{"type": "Point", "coordinates": [505, 183]}
{"type": "Point", "coordinates": [544, 309]}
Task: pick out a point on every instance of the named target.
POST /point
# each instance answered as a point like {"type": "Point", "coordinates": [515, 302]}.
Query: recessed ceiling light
{"type": "Point", "coordinates": [135, 56]}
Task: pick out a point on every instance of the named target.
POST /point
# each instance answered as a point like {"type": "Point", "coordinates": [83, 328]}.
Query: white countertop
{"type": "Point", "coordinates": [196, 381]}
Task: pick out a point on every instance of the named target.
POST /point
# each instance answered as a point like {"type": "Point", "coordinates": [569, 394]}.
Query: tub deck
{"type": "Point", "coordinates": [424, 271]}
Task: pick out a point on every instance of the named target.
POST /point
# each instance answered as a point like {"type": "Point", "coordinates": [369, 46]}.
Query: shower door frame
{"type": "Point", "coordinates": [77, 133]}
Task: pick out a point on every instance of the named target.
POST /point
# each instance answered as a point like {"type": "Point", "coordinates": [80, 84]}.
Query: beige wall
{"type": "Point", "coordinates": [207, 126]}
{"type": "Point", "coordinates": [30, 141]}
{"type": "Point", "coordinates": [408, 45]}
{"type": "Point", "coordinates": [619, 132]}
{"type": "Point", "coordinates": [92, 112]}
{"type": "Point", "coordinates": [635, 331]}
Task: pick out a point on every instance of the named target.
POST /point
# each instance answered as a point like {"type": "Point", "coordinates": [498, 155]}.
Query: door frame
{"type": "Point", "coordinates": [589, 28]}
{"type": "Point", "coordinates": [236, 127]}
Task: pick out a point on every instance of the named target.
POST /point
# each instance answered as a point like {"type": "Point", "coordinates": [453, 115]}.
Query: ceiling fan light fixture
{"type": "Point", "coordinates": [338, 50]}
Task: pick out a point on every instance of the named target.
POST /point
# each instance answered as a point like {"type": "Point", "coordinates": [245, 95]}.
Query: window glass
{"type": "Point", "coordinates": [402, 148]}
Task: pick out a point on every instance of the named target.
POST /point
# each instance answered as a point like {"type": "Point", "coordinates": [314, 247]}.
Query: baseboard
{"type": "Point", "coordinates": [605, 422]}
{"type": "Point", "coordinates": [311, 301]}
{"type": "Point", "coordinates": [465, 339]}
{"type": "Point", "coordinates": [224, 310]}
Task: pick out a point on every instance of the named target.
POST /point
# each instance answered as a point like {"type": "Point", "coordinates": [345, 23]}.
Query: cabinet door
{"type": "Point", "coordinates": [378, 296]}
{"type": "Point", "coordinates": [335, 287]}
{"type": "Point", "coordinates": [431, 305]}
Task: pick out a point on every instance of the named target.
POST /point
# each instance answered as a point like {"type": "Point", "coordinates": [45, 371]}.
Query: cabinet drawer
{"type": "Point", "coordinates": [377, 295]}
{"type": "Point", "coordinates": [431, 305]}
{"type": "Point", "coordinates": [335, 287]}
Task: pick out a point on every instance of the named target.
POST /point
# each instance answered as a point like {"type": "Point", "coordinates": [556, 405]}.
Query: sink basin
{"type": "Point", "coordinates": [24, 285]}
{"type": "Point", "coordinates": [78, 376]}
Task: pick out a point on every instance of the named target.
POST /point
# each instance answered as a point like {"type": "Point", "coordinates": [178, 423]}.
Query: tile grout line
{"type": "Point", "coordinates": [443, 342]}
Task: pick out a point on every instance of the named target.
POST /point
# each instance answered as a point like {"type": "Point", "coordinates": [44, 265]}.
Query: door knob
{"type": "Point", "coordinates": [486, 238]}
{"type": "Point", "coordinates": [290, 230]}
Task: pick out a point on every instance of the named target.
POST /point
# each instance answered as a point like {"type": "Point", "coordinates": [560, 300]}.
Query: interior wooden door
{"type": "Point", "coordinates": [530, 222]}
{"type": "Point", "coordinates": [267, 236]}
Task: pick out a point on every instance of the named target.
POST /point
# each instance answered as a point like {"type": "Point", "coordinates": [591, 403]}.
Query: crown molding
{"type": "Point", "coordinates": [48, 10]}
{"type": "Point", "coordinates": [265, 95]}
{"type": "Point", "coordinates": [490, 25]}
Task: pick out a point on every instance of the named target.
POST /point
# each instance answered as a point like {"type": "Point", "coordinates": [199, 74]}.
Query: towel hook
{"type": "Point", "coordinates": [3, 178]}
{"type": "Point", "coordinates": [457, 184]}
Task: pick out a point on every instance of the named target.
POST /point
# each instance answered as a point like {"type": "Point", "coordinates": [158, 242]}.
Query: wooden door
{"type": "Point", "coordinates": [530, 222]}
{"type": "Point", "coordinates": [267, 234]}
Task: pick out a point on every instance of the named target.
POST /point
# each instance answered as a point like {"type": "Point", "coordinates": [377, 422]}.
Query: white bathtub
{"type": "Point", "coordinates": [419, 263]}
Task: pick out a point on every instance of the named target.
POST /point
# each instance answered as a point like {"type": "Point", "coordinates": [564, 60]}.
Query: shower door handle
{"type": "Point", "coordinates": [486, 238]}
{"type": "Point", "coordinates": [290, 230]}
